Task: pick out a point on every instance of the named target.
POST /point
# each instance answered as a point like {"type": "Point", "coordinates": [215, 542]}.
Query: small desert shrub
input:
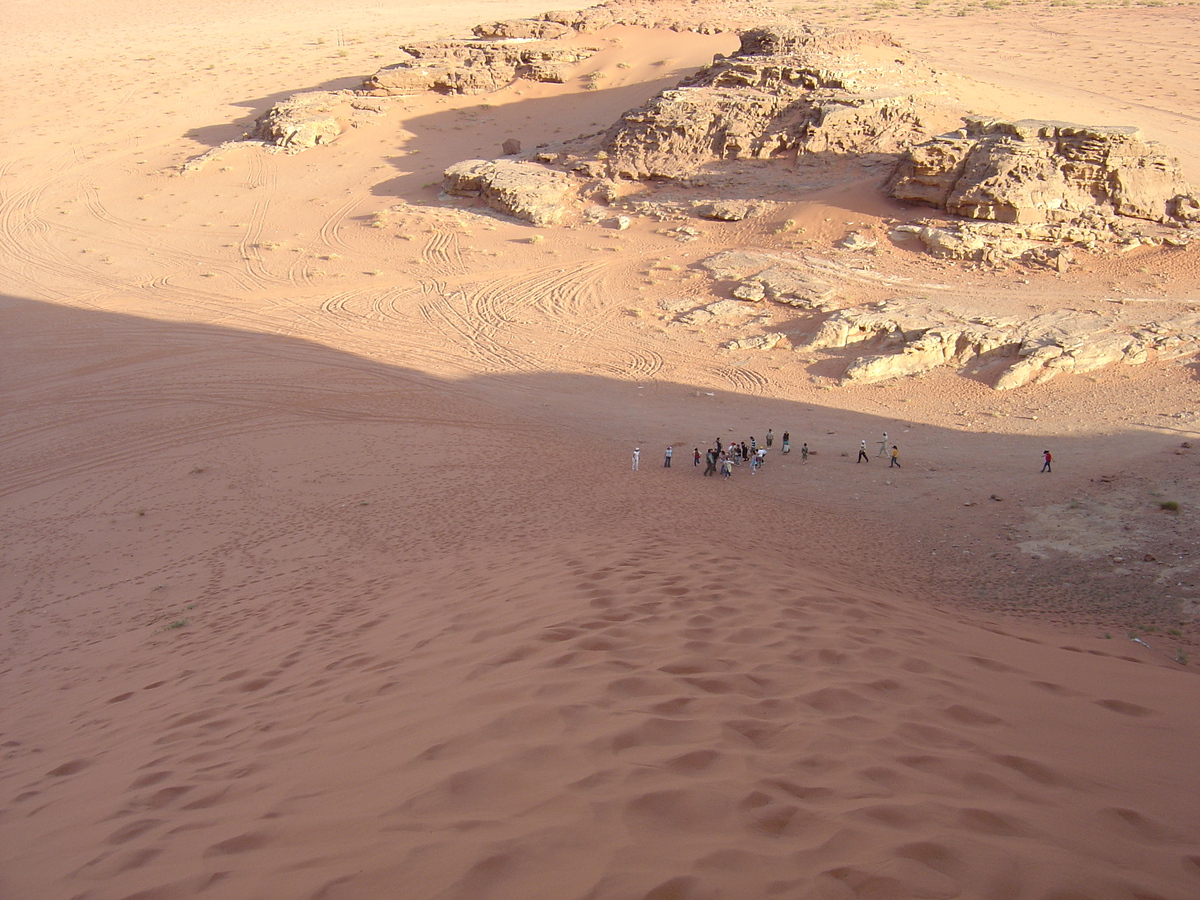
{"type": "Point", "coordinates": [1169, 506]}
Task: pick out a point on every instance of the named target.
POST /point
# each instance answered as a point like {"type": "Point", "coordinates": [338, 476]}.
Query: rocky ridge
{"type": "Point", "coordinates": [474, 67]}
{"type": "Point", "coordinates": [914, 337]}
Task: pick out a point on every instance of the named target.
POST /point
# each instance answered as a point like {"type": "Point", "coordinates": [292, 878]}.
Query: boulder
{"type": "Point", "coordinates": [302, 121]}
{"type": "Point", "coordinates": [730, 210]}
{"type": "Point", "coordinates": [1035, 171]}
{"type": "Point", "coordinates": [523, 190]}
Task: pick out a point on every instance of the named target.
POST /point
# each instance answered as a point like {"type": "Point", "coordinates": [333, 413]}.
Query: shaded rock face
{"type": "Point", "coordinates": [911, 338]}
{"type": "Point", "coordinates": [801, 90]}
{"type": "Point", "coordinates": [473, 67]}
{"type": "Point", "coordinates": [523, 190]}
{"type": "Point", "coordinates": [1033, 171]}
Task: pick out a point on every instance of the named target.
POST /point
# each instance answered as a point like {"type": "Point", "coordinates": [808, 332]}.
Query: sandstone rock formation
{"type": "Point", "coordinates": [786, 90]}
{"type": "Point", "coordinates": [913, 337]}
{"type": "Point", "coordinates": [1034, 171]}
{"type": "Point", "coordinates": [520, 189]}
{"type": "Point", "coordinates": [473, 67]}
{"type": "Point", "coordinates": [301, 121]}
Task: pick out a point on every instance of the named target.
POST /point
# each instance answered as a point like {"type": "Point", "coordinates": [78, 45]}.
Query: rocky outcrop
{"type": "Point", "coordinates": [673, 16]}
{"type": "Point", "coordinates": [302, 121]}
{"type": "Point", "coordinates": [523, 190]}
{"type": "Point", "coordinates": [912, 337]}
{"type": "Point", "coordinates": [474, 67]}
{"type": "Point", "coordinates": [1033, 171]}
{"type": "Point", "coordinates": [786, 90]}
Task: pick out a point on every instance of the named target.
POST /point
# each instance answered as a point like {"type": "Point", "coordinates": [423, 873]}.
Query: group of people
{"type": "Point", "coordinates": [883, 449]}
{"type": "Point", "coordinates": [723, 457]}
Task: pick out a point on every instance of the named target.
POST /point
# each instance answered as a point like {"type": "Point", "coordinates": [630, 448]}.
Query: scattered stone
{"type": "Point", "coordinates": [511, 147]}
{"type": "Point", "coordinates": [767, 341]}
{"type": "Point", "coordinates": [774, 277]}
{"type": "Point", "coordinates": [858, 242]}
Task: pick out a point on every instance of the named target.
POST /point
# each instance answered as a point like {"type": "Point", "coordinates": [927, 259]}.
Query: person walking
{"type": "Point", "coordinates": [770, 437]}
{"type": "Point", "coordinates": [804, 453]}
{"type": "Point", "coordinates": [637, 455]}
{"type": "Point", "coordinates": [862, 453]}
{"type": "Point", "coordinates": [882, 445]}
{"type": "Point", "coordinates": [1046, 460]}
{"type": "Point", "coordinates": [895, 457]}
{"type": "Point", "coordinates": [695, 457]}
{"type": "Point", "coordinates": [787, 443]}
{"type": "Point", "coordinates": [667, 458]}
{"type": "Point", "coordinates": [726, 465]}
{"type": "Point", "coordinates": [710, 462]}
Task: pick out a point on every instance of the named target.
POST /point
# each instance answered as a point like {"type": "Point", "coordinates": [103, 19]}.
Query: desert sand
{"type": "Point", "coordinates": [325, 573]}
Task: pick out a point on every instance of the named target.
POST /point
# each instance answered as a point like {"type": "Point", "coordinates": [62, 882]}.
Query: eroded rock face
{"type": "Point", "coordinates": [801, 90]}
{"type": "Point", "coordinates": [913, 337]}
{"type": "Point", "coordinates": [473, 67]}
{"type": "Point", "coordinates": [523, 190]}
{"type": "Point", "coordinates": [1034, 171]}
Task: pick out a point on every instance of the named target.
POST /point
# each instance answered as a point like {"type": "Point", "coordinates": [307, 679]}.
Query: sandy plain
{"type": "Point", "coordinates": [325, 574]}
